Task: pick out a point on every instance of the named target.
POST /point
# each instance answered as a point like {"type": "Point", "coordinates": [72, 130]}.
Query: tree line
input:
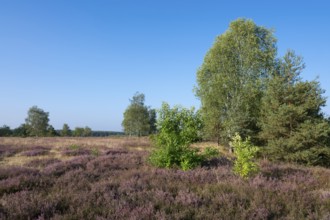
{"type": "Point", "coordinates": [37, 125]}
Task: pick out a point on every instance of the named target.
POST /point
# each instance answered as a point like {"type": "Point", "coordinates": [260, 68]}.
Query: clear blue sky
{"type": "Point", "coordinates": [82, 61]}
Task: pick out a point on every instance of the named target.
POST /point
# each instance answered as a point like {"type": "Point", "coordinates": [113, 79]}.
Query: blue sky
{"type": "Point", "coordinates": [82, 61]}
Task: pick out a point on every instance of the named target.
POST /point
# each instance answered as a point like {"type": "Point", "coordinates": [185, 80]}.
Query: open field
{"type": "Point", "coordinates": [110, 178]}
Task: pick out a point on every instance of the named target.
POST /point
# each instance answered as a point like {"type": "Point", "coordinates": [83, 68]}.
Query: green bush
{"type": "Point", "coordinates": [245, 152]}
{"type": "Point", "coordinates": [178, 128]}
{"type": "Point", "coordinates": [210, 152]}
{"type": "Point", "coordinates": [313, 156]}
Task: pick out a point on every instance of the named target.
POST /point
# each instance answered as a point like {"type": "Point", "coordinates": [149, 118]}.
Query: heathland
{"type": "Point", "coordinates": [110, 178]}
{"type": "Point", "coordinates": [268, 155]}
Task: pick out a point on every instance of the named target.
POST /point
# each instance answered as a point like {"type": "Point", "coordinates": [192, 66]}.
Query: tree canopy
{"type": "Point", "coordinates": [138, 118]}
{"type": "Point", "coordinates": [292, 125]}
{"type": "Point", "coordinates": [5, 131]}
{"type": "Point", "coordinates": [66, 131]}
{"type": "Point", "coordinates": [37, 121]}
{"type": "Point", "coordinates": [231, 79]}
{"type": "Point", "coordinates": [245, 88]}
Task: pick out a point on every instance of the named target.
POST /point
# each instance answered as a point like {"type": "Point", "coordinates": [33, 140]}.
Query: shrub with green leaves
{"type": "Point", "coordinates": [210, 152]}
{"type": "Point", "coordinates": [245, 152]}
{"type": "Point", "coordinates": [178, 127]}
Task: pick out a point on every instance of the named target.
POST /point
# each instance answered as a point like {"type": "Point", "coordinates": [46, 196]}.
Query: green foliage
{"type": "Point", "coordinates": [66, 131]}
{"type": "Point", "coordinates": [78, 132]}
{"type": "Point", "coordinates": [5, 131]}
{"type": "Point", "coordinates": [21, 131]}
{"type": "Point", "coordinates": [232, 77]}
{"type": "Point", "coordinates": [177, 129]}
{"type": "Point", "coordinates": [51, 131]}
{"type": "Point", "coordinates": [293, 127]}
{"type": "Point", "coordinates": [190, 158]}
{"type": "Point", "coordinates": [152, 121]}
{"type": "Point", "coordinates": [245, 152]}
{"type": "Point", "coordinates": [138, 119]}
{"type": "Point", "coordinates": [37, 121]}
{"type": "Point", "coordinates": [87, 132]}
{"type": "Point", "coordinates": [243, 88]}
{"type": "Point", "coordinates": [82, 132]}
{"type": "Point", "coordinates": [210, 152]}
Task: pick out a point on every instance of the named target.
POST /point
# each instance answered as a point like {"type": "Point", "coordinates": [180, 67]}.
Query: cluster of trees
{"type": "Point", "coordinates": [247, 91]}
{"type": "Point", "coordinates": [139, 119]}
{"type": "Point", "coordinates": [37, 125]}
{"type": "Point", "coordinates": [77, 132]}
{"type": "Point", "coordinates": [244, 88]}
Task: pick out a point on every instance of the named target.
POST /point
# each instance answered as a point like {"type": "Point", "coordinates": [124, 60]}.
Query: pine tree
{"type": "Point", "coordinates": [292, 124]}
{"type": "Point", "coordinates": [66, 131]}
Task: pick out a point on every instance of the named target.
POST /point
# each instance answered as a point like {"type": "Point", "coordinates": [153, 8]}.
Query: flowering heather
{"type": "Point", "coordinates": [76, 152]}
{"type": "Point", "coordinates": [119, 184]}
{"type": "Point", "coordinates": [35, 151]}
{"type": "Point", "coordinates": [43, 162]}
{"type": "Point", "coordinates": [8, 151]}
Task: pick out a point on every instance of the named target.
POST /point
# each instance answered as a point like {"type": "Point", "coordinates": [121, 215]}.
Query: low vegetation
{"type": "Point", "coordinates": [245, 153]}
{"type": "Point", "coordinates": [177, 129]}
{"type": "Point", "coordinates": [119, 183]}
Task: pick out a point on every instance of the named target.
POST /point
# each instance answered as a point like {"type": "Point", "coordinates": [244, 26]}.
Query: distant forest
{"type": "Point", "coordinates": [37, 125]}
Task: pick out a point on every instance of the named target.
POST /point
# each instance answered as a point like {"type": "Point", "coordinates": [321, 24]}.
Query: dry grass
{"type": "Point", "coordinates": [108, 142]}
{"type": "Point", "coordinates": [58, 145]}
{"type": "Point", "coordinates": [222, 149]}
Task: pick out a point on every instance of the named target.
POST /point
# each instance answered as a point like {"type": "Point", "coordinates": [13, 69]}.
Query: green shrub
{"type": "Point", "coordinates": [178, 128]}
{"type": "Point", "coordinates": [210, 152]}
{"type": "Point", "coordinates": [245, 152]}
{"type": "Point", "coordinates": [190, 159]}
{"type": "Point", "coordinates": [313, 156]}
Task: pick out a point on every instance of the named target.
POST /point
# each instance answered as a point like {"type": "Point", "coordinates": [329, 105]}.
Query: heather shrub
{"type": "Point", "coordinates": [60, 168]}
{"type": "Point", "coordinates": [38, 151]}
{"type": "Point", "coordinates": [245, 152]}
{"type": "Point", "coordinates": [13, 171]}
{"type": "Point", "coordinates": [41, 163]}
{"type": "Point", "coordinates": [8, 151]}
{"type": "Point", "coordinates": [75, 150]}
{"type": "Point", "coordinates": [119, 184]}
{"type": "Point", "coordinates": [33, 204]}
{"type": "Point", "coordinates": [21, 179]}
